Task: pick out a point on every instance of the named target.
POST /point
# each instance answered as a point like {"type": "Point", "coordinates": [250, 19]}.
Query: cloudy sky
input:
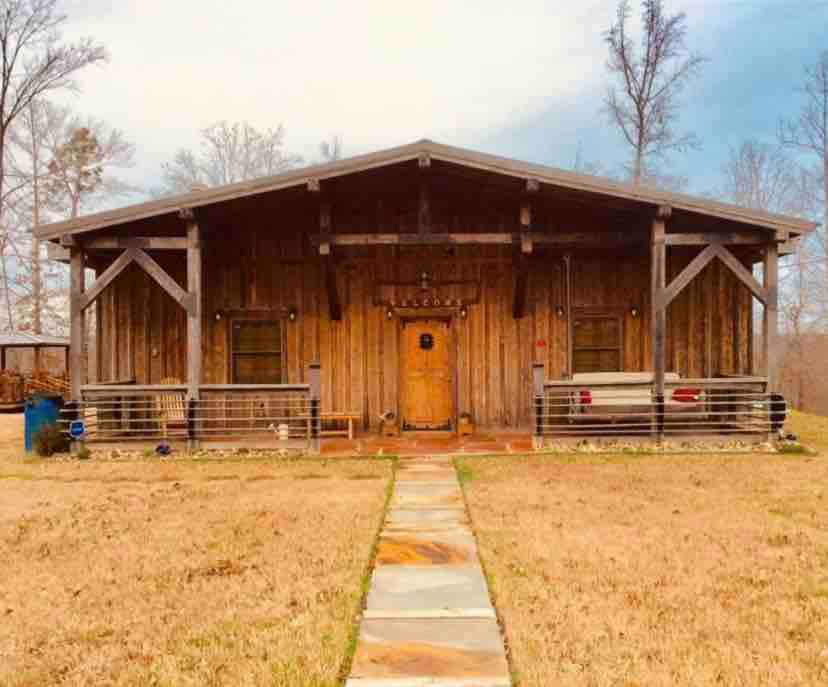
{"type": "Point", "coordinates": [523, 79]}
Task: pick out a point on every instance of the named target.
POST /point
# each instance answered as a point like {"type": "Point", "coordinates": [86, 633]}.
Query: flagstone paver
{"type": "Point", "coordinates": [430, 547]}
{"type": "Point", "coordinates": [426, 518]}
{"type": "Point", "coordinates": [428, 619]}
{"type": "Point", "coordinates": [426, 495]}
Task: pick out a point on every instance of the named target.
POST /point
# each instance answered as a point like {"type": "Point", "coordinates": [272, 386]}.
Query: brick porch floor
{"type": "Point", "coordinates": [420, 444]}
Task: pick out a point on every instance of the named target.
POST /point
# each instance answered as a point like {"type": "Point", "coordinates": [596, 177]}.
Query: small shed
{"type": "Point", "coordinates": [41, 364]}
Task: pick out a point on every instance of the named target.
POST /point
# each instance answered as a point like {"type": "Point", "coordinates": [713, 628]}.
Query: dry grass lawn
{"type": "Point", "coordinates": [181, 573]}
{"type": "Point", "coordinates": [659, 570]}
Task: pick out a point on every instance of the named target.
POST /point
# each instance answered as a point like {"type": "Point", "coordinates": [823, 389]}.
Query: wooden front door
{"type": "Point", "coordinates": [426, 377]}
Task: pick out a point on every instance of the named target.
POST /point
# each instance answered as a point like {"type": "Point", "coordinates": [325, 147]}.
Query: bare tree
{"type": "Point", "coordinates": [331, 150]}
{"type": "Point", "coordinates": [33, 62]}
{"type": "Point", "coordinates": [60, 164]}
{"type": "Point", "coordinates": [644, 104]}
{"type": "Point", "coordinates": [582, 165]}
{"type": "Point", "coordinates": [764, 177]}
{"type": "Point", "coordinates": [30, 137]}
{"type": "Point", "coordinates": [808, 132]}
{"type": "Point", "coordinates": [229, 153]}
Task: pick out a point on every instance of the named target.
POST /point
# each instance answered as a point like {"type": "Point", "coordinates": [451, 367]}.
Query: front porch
{"type": "Point", "coordinates": [289, 417]}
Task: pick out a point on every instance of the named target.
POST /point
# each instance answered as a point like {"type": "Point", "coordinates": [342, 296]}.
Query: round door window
{"type": "Point", "coordinates": [426, 341]}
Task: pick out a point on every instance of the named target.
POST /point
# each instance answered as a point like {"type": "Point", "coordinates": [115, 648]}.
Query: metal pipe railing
{"type": "Point", "coordinates": [281, 413]}
{"type": "Point", "coordinates": [728, 406]}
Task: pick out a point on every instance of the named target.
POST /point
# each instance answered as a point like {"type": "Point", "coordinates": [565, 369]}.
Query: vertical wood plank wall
{"type": "Point", "coordinates": [143, 331]}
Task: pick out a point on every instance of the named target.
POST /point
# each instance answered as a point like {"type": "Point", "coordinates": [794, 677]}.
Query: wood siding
{"type": "Point", "coordinates": [254, 273]}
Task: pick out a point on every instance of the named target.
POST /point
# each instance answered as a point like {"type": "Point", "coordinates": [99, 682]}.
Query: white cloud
{"type": "Point", "coordinates": [379, 73]}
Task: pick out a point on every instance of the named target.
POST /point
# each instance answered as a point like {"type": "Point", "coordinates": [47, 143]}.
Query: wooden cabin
{"type": "Point", "coordinates": [423, 282]}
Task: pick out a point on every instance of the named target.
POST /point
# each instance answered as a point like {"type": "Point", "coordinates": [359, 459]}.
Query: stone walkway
{"type": "Point", "coordinates": [428, 619]}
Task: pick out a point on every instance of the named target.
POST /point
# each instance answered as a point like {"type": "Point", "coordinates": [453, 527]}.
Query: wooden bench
{"type": "Point", "coordinates": [348, 418]}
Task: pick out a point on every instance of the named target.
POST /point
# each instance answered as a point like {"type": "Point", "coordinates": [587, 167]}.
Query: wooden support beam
{"type": "Point", "coordinates": [537, 403]}
{"type": "Point", "coordinates": [526, 226]}
{"type": "Point", "coordinates": [424, 207]}
{"type": "Point", "coordinates": [325, 238]}
{"type": "Point", "coordinates": [567, 262]}
{"type": "Point", "coordinates": [593, 239]}
{"type": "Point", "coordinates": [57, 253]}
{"type": "Point", "coordinates": [687, 275]}
{"type": "Point", "coordinates": [523, 248]}
{"type": "Point", "coordinates": [326, 253]}
{"type": "Point", "coordinates": [521, 279]}
{"type": "Point", "coordinates": [521, 268]}
{"type": "Point", "coordinates": [741, 273]}
{"type": "Point", "coordinates": [700, 262]}
{"type": "Point", "coordinates": [790, 246]}
{"type": "Point", "coordinates": [194, 287]}
{"type": "Point", "coordinates": [526, 216]}
{"type": "Point", "coordinates": [770, 319]}
{"type": "Point", "coordinates": [740, 238]}
{"type": "Point", "coordinates": [164, 280]}
{"type": "Point", "coordinates": [143, 242]}
{"type": "Point", "coordinates": [658, 275]}
{"type": "Point", "coordinates": [110, 273]}
{"type": "Point", "coordinates": [315, 391]}
{"type": "Point", "coordinates": [334, 305]}
{"type": "Point", "coordinates": [3, 359]}
{"type": "Point", "coordinates": [77, 372]}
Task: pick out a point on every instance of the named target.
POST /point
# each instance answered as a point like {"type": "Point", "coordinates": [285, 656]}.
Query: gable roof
{"type": "Point", "coordinates": [460, 156]}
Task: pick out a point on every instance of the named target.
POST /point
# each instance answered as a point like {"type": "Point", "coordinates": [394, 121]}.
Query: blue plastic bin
{"type": "Point", "coordinates": [40, 410]}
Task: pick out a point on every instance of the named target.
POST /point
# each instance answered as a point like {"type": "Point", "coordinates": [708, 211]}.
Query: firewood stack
{"type": "Point", "coordinates": [12, 388]}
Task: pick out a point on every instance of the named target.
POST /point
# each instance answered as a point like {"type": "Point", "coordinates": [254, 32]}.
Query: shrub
{"type": "Point", "coordinates": [50, 439]}
{"type": "Point", "coordinates": [83, 452]}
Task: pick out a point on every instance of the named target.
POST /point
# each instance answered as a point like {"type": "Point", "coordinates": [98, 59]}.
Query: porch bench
{"type": "Point", "coordinates": [337, 417]}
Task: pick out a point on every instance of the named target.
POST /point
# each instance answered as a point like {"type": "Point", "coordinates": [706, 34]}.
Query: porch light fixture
{"type": "Point", "coordinates": [218, 315]}
{"type": "Point", "coordinates": [292, 314]}
{"type": "Point", "coordinates": [389, 314]}
{"type": "Point", "coordinates": [464, 312]}
{"type": "Point", "coordinates": [559, 311]}
{"type": "Point", "coordinates": [634, 311]}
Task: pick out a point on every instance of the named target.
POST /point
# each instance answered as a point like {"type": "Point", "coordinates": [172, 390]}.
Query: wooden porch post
{"type": "Point", "coordinates": [658, 325]}
{"type": "Point", "coordinates": [38, 360]}
{"type": "Point", "coordinates": [193, 324]}
{"type": "Point", "coordinates": [76, 289]}
{"type": "Point", "coordinates": [3, 358]}
{"type": "Point", "coordinates": [770, 318]}
{"type": "Point", "coordinates": [537, 401]}
{"type": "Point", "coordinates": [315, 383]}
